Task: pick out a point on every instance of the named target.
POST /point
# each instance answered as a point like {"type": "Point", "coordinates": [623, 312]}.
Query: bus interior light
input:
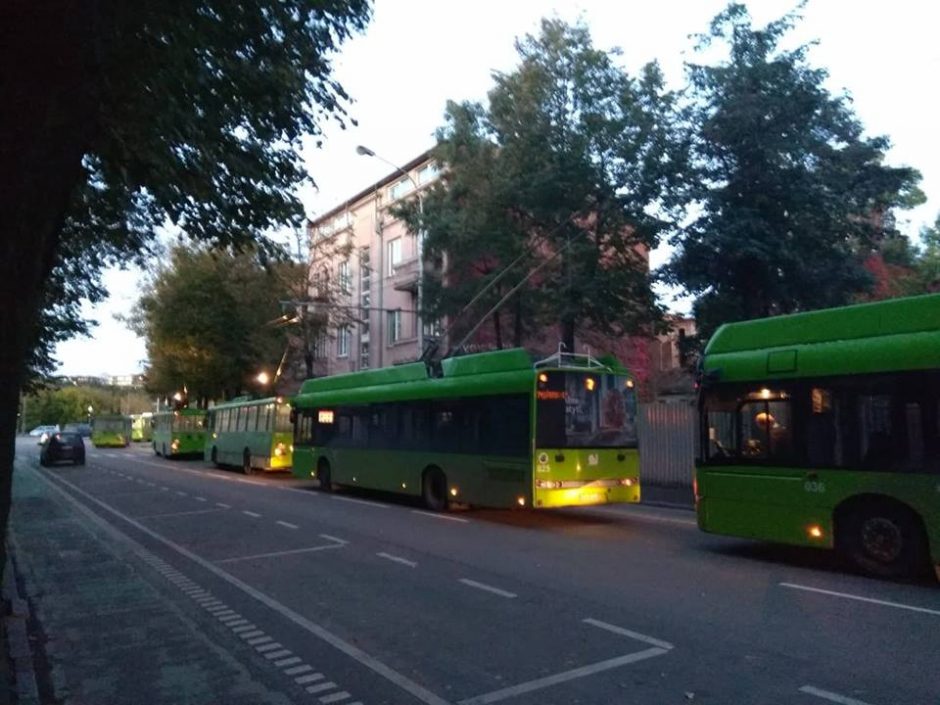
{"type": "Point", "coordinates": [543, 378]}
{"type": "Point", "coordinates": [630, 384]}
{"type": "Point", "coordinates": [589, 383]}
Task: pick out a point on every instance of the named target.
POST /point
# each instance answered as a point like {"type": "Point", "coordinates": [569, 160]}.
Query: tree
{"type": "Point", "coordinates": [118, 117]}
{"type": "Point", "coordinates": [559, 173]}
{"type": "Point", "coordinates": [791, 196]}
{"type": "Point", "coordinates": [211, 320]}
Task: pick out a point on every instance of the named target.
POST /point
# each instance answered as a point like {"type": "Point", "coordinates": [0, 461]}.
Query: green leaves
{"type": "Point", "coordinates": [563, 166]}
{"type": "Point", "coordinates": [791, 196]}
{"type": "Point", "coordinates": [208, 319]}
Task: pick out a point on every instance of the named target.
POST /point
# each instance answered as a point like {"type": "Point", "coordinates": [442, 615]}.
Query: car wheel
{"type": "Point", "coordinates": [434, 489]}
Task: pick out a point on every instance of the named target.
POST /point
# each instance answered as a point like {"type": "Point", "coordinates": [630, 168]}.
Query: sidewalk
{"type": "Point", "coordinates": [94, 627]}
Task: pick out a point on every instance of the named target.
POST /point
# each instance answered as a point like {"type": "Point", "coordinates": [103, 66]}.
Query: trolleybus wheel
{"type": "Point", "coordinates": [324, 475]}
{"type": "Point", "coordinates": [164, 451]}
{"type": "Point", "coordinates": [214, 456]}
{"type": "Point", "coordinates": [246, 462]}
{"type": "Point", "coordinates": [155, 451]}
{"type": "Point", "coordinates": [883, 539]}
{"type": "Point", "coordinates": [434, 489]}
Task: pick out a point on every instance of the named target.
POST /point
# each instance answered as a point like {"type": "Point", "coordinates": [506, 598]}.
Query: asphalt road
{"type": "Point", "coordinates": [358, 598]}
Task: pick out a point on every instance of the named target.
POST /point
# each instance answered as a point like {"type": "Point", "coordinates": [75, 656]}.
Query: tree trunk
{"type": "Point", "coordinates": [498, 330]}
{"type": "Point", "coordinates": [47, 123]}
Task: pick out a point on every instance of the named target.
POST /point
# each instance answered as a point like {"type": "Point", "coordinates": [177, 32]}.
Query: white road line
{"type": "Point", "coordinates": [488, 588]}
{"type": "Point", "coordinates": [181, 493]}
{"type": "Point", "coordinates": [540, 683]}
{"type": "Point", "coordinates": [319, 688]}
{"type": "Point", "coordinates": [334, 539]}
{"type": "Point", "coordinates": [244, 628]}
{"type": "Point", "coordinates": [309, 678]}
{"type": "Point", "coordinates": [201, 499]}
{"type": "Point", "coordinates": [223, 505]}
{"type": "Point", "coordinates": [164, 489]}
{"type": "Point", "coordinates": [335, 697]}
{"type": "Point", "coordinates": [437, 515]}
{"type": "Point", "coordinates": [830, 696]}
{"type": "Point", "coordinates": [397, 559]}
{"type": "Point", "coordinates": [254, 515]}
{"type": "Point", "coordinates": [268, 647]}
{"type": "Point", "coordinates": [312, 549]}
{"type": "Point", "coordinates": [225, 613]}
{"type": "Point", "coordinates": [297, 670]}
{"type": "Point", "coordinates": [626, 632]}
{"type": "Point", "coordinates": [287, 524]}
{"type": "Point", "coordinates": [400, 680]}
{"type": "Point", "coordinates": [240, 622]}
{"type": "Point", "coordinates": [284, 663]}
{"type": "Point", "coordinates": [280, 653]}
{"type": "Point", "coordinates": [252, 634]}
{"type": "Point", "coordinates": [259, 640]}
{"type": "Point", "coordinates": [339, 498]}
{"type": "Point", "coordinates": [178, 514]}
{"type": "Point", "coordinates": [859, 598]}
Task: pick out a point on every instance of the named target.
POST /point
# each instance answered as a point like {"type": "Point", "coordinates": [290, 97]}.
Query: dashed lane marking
{"type": "Point", "coordinates": [445, 517]}
{"type": "Point", "coordinates": [830, 696]}
{"type": "Point", "coordinates": [353, 500]}
{"type": "Point", "coordinates": [335, 697]}
{"type": "Point", "coordinates": [397, 559]}
{"type": "Point", "coordinates": [287, 524]}
{"type": "Point", "coordinates": [309, 678]}
{"type": "Point", "coordinates": [274, 655]}
{"type": "Point", "coordinates": [178, 514]}
{"type": "Point", "coordinates": [284, 663]}
{"type": "Point", "coordinates": [859, 598]}
{"type": "Point", "coordinates": [488, 588]}
{"type": "Point", "coordinates": [297, 670]}
{"type": "Point", "coordinates": [223, 505]}
{"type": "Point", "coordinates": [253, 515]}
{"type": "Point", "coordinates": [320, 687]}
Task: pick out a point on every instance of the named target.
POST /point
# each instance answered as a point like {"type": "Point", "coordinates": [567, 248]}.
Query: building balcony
{"type": "Point", "coordinates": [405, 276]}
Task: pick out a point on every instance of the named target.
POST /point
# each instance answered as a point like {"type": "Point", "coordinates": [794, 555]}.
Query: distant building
{"type": "Point", "coordinates": [135, 381]}
{"type": "Point", "coordinates": [380, 281]}
{"type": "Point", "coordinates": [671, 373]}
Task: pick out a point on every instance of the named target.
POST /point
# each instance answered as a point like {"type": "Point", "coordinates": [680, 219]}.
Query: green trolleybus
{"type": "Point", "coordinates": [494, 429]}
{"type": "Point", "coordinates": [250, 434]}
{"type": "Point", "coordinates": [823, 429]}
{"type": "Point", "coordinates": [178, 433]}
{"type": "Point", "coordinates": [142, 427]}
{"type": "Point", "coordinates": [111, 431]}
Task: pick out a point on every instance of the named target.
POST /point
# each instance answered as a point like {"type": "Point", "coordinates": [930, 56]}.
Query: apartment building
{"type": "Point", "coordinates": [378, 280]}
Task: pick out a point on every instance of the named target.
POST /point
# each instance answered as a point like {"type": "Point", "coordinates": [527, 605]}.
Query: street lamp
{"type": "Point", "coordinates": [263, 378]}
{"type": "Point", "coordinates": [366, 152]}
{"type": "Point", "coordinates": [91, 410]}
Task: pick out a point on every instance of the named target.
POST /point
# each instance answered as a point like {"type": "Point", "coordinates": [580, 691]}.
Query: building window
{"type": "Point", "coordinates": [399, 189]}
{"type": "Point", "coordinates": [365, 289]}
{"type": "Point", "coordinates": [394, 254]}
{"type": "Point", "coordinates": [319, 347]}
{"type": "Point", "coordinates": [342, 342]}
{"type": "Point", "coordinates": [345, 281]}
{"type": "Point", "coordinates": [364, 356]}
{"type": "Point", "coordinates": [427, 173]}
{"type": "Point", "coordinates": [394, 326]}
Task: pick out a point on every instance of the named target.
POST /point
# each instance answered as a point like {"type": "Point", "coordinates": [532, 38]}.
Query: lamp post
{"type": "Point", "coordinates": [90, 410]}
{"type": "Point", "coordinates": [366, 152]}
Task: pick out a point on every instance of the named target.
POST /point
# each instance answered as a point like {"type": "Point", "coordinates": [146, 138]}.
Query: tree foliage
{"type": "Point", "coordinates": [212, 320]}
{"type": "Point", "coordinates": [560, 169]}
{"type": "Point", "coordinates": [120, 116]}
{"type": "Point", "coordinates": [791, 196]}
{"type": "Point", "coordinates": [69, 404]}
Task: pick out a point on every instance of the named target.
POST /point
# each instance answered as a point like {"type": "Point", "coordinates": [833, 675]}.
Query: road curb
{"type": "Point", "coordinates": [18, 644]}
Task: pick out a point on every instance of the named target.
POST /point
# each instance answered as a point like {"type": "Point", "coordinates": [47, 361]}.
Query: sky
{"type": "Point", "coordinates": [418, 54]}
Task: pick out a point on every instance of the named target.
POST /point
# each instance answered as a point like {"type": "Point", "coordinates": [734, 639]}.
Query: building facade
{"type": "Point", "coordinates": [375, 281]}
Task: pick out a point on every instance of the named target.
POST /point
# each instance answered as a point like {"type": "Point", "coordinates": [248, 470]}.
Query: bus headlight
{"type": "Point", "coordinates": [279, 450]}
{"type": "Point", "coordinates": [175, 445]}
{"type": "Point", "coordinates": [627, 481]}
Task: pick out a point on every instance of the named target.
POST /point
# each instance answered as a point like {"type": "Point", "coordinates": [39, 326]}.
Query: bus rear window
{"type": "Point", "coordinates": [585, 410]}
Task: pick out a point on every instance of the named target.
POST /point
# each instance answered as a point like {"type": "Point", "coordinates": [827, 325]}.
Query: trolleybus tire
{"type": "Point", "coordinates": [155, 451]}
{"type": "Point", "coordinates": [214, 456]}
{"type": "Point", "coordinates": [246, 462]}
{"type": "Point", "coordinates": [164, 451]}
{"type": "Point", "coordinates": [884, 539]}
{"type": "Point", "coordinates": [324, 475]}
{"type": "Point", "coordinates": [434, 489]}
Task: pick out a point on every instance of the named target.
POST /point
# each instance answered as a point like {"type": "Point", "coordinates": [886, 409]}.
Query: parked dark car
{"type": "Point", "coordinates": [61, 446]}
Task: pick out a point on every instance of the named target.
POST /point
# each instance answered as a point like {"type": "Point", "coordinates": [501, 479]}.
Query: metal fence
{"type": "Point", "coordinates": [667, 444]}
